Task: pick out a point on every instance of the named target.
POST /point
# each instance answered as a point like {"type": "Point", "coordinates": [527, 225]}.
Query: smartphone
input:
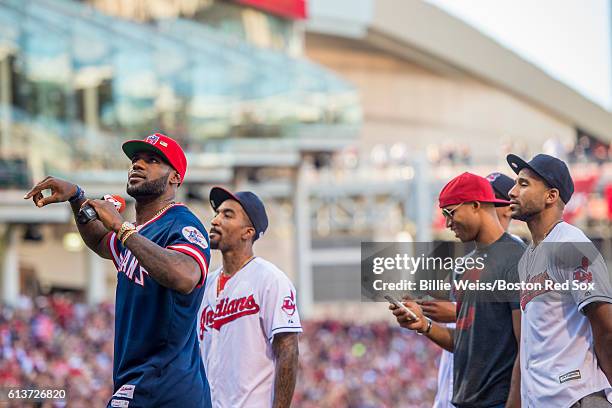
{"type": "Point", "coordinates": [399, 304]}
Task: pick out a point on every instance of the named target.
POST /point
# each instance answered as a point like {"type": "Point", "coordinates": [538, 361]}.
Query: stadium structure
{"type": "Point", "coordinates": [345, 116]}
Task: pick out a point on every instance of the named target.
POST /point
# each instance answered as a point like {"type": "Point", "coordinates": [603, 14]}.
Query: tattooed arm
{"type": "Point", "coordinates": [285, 348]}
{"type": "Point", "coordinates": [600, 317]}
{"type": "Point", "coordinates": [169, 268]}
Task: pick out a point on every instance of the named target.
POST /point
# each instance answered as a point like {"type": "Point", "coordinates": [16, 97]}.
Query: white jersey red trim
{"type": "Point", "coordinates": [444, 393]}
{"type": "Point", "coordinates": [236, 330]}
{"type": "Point", "coordinates": [558, 361]}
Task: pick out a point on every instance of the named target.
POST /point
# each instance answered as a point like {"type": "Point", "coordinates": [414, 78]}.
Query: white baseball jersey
{"type": "Point", "coordinates": [444, 395]}
{"type": "Point", "coordinates": [558, 361]}
{"type": "Point", "coordinates": [236, 330]}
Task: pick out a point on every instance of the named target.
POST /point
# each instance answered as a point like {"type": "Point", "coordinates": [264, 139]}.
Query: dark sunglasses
{"type": "Point", "coordinates": [450, 213]}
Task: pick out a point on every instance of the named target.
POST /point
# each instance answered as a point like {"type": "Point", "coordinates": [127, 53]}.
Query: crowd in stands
{"type": "Point", "coordinates": [364, 366]}
{"type": "Point", "coordinates": [54, 342]}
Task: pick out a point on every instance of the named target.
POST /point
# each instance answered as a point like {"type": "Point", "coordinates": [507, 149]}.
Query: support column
{"type": "Point", "coordinates": [91, 116]}
{"type": "Point", "coordinates": [303, 240]}
{"type": "Point", "coordinates": [423, 199]}
{"type": "Point", "coordinates": [10, 266]}
{"type": "Point", "coordinates": [5, 103]}
{"type": "Point", "coordinates": [96, 281]}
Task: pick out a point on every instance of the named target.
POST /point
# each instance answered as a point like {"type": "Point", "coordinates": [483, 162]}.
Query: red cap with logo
{"type": "Point", "coordinates": [163, 145]}
{"type": "Point", "coordinates": [469, 187]}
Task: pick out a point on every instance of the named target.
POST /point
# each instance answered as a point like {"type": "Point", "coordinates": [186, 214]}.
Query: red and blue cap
{"type": "Point", "coordinates": [252, 205]}
{"type": "Point", "coordinates": [165, 146]}
{"type": "Point", "coordinates": [469, 187]}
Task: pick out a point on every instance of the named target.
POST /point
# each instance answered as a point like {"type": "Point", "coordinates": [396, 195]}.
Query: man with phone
{"type": "Point", "coordinates": [485, 341]}
{"type": "Point", "coordinates": [446, 312]}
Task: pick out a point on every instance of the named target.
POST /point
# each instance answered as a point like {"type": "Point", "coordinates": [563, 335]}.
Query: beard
{"type": "Point", "coordinates": [526, 213]}
{"type": "Point", "coordinates": [153, 188]}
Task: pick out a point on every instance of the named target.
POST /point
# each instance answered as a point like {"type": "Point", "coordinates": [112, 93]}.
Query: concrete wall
{"type": "Point", "coordinates": [403, 102]}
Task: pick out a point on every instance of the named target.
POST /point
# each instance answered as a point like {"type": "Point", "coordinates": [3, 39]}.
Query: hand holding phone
{"type": "Point", "coordinates": [400, 305]}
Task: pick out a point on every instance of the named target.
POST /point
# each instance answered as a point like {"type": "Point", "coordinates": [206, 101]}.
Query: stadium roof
{"type": "Point", "coordinates": [427, 35]}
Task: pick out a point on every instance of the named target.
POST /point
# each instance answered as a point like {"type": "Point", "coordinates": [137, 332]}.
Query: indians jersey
{"type": "Point", "coordinates": [236, 329]}
{"type": "Point", "coordinates": [156, 360]}
{"type": "Point", "coordinates": [558, 361]}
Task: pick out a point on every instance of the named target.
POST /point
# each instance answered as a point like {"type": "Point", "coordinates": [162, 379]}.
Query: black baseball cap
{"type": "Point", "coordinates": [501, 184]}
{"type": "Point", "coordinates": [252, 205]}
{"type": "Point", "coordinates": [552, 170]}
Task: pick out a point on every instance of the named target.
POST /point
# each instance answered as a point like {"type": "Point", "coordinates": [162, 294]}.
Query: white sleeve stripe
{"type": "Point", "coordinates": [112, 245]}
{"type": "Point", "coordinates": [194, 254]}
{"type": "Point", "coordinates": [193, 248]}
{"type": "Point", "coordinates": [597, 298]}
{"type": "Point", "coordinates": [285, 329]}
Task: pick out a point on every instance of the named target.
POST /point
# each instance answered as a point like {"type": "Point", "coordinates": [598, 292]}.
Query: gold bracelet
{"type": "Point", "coordinates": [126, 235]}
{"type": "Point", "coordinates": [122, 230]}
{"type": "Point", "coordinates": [126, 226]}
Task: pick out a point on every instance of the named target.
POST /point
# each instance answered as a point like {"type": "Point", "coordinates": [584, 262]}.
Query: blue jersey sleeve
{"type": "Point", "coordinates": [189, 236]}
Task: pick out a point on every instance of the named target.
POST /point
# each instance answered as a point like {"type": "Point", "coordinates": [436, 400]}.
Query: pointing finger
{"type": "Point", "coordinates": [43, 185]}
{"type": "Point", "coordinates": [32, 192]}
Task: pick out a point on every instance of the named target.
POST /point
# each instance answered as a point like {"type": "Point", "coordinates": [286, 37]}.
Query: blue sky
{"type": "Point", "coordinates": [569, 39]}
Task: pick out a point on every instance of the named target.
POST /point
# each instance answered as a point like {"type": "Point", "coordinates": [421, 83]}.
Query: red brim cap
{"type": "Point", "coordinates": [469, 187]}
{"type": "Point", "coordinates": [458, 200]}
{"type": "Point", "coordinates": [131, 147]}
{"type": "Point", "coordinates": [167, 148]}
{"type": "Point", "coordinates": [500, 203]}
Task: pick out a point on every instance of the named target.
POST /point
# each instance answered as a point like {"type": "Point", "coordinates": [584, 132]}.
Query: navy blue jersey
{"type": "Point", "coordinates": [157, 361]}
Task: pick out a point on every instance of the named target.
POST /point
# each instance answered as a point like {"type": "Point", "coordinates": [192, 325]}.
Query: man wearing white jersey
{"type": "Point", "coordinates": [248, 321]}
{"type": "Point", "coordinates": [442, 312]}
{"type": "Point", "coordinates": [566, 336]}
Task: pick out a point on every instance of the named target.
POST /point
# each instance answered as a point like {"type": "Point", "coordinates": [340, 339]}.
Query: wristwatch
{"type": "Point", "coordinates": [427, 329]}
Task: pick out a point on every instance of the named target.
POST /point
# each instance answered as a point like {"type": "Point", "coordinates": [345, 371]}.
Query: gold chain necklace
{"type": "Point", "coordinates": [157, 214]}
{"type": "Point", "coordinates": [164, 209]}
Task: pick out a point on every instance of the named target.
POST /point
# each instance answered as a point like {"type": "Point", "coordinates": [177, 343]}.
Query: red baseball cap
{"type": "Point", "coordinates": [469, 187]}
{"type": "Point", "coordinates": [163, 145]}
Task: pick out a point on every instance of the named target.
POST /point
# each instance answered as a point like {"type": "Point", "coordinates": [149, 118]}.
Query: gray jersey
{"type": "Point", "coordinates": [558, 361]}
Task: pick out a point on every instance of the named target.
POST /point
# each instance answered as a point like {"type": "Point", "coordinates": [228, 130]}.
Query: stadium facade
{"type": "Point", "coordinates": [335, 112]}
{"type": "Point", "coordinates": [226, 79]}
